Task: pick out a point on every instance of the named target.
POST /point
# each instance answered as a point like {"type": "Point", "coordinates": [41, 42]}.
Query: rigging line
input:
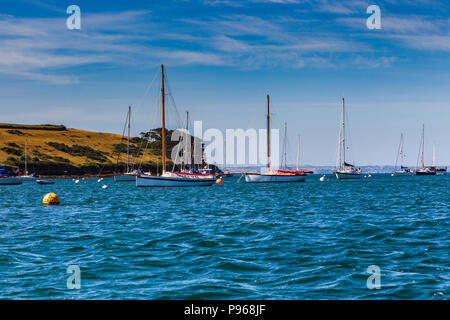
{"type": "Point", "coordinates": [338, 154]}
{"type": "Point", "coordinates": [169, 93]}
{"type": "Point", "coordinates": [398, 151]}
{"type": "Point", "coordinates": [118, 155]}
{"type": "Point", "coordinates": [147, 90]}
{"type": "Point", "coordinates": [152, 127]}
{"type": "Point", "coordinates": [352, 156]}
{"type": "Point", "coordinates": [121, 140]}
{"type": "Point", "coordinates": [135, 160]}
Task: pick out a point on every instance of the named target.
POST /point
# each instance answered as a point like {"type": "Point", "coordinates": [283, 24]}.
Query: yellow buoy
{"type": "Point", "coordinates": [50, 199]}
{"type": "Point", "coordinates": [219, 181]}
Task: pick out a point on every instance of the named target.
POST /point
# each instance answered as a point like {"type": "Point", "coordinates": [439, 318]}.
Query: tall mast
{"type": "Point", "coordinates": [343, 132]}
{"type": "Point", "coordinates": [26, 164]}
{"type": "Point", "coordinates": [434, 155]}
{"type": "Point", "coordinates": [402, 154]}
{"type": "Point", "coordinates": [268, 133]}
{"type": "Point", "coordinates": [298, 153]}
{"type": "Point", "coordinates": [163, 126]}
{"type": "Point", "coordinates": [187, 137]}
{"type": "Point", "coordinates": [128, 143]}
{"type": "Point", "coordinates": [423, 147]}
{"type": "Point", "coordinates": [285, 145]}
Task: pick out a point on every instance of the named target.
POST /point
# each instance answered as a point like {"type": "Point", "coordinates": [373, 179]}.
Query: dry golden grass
{"type": "Point", "coordinates": [38, 138]}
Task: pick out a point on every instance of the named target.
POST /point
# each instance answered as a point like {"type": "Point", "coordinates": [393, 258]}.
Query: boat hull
{"type": "Point", "coordinates": [27, 178]}
{"type": "Point", "coordinates": [425, 173]}
{"type": "Point", "coordinates": [347, 175]}
{"type": "Point", "coordinates": [43, 182]}
{"type": "Point", "coordinates": [268, 178]}
{"type": "Point", "coordinates": [158, 181]}
{"type": "Point", "coordinates": [9, 181]}
{"type": "Point", "coordinates": [124, 178]}
{"type": "Point", "coordinates": [401, 173]}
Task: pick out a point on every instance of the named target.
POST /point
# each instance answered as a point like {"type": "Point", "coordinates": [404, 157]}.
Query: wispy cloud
{"type": "Point", "coordinates": [43, 49]}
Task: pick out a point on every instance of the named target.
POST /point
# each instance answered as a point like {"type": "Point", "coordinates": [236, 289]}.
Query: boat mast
{"type": "Point", "coordinates": [268, 134]}
{"type": "Point", "coordinates": [423, 147]}
{"type": "Point", "coordinates": [26, 166]}
{"type": "Point", "coordinates": [434, 155]}
{"type": "Point", "coordinates": [298, 153]}
{"type": "Point", "coordinates": [128, 143]}
{"type": "Point", "coordinates": [343, 133]}
{"type": "Point", "coordinates": [285, 145]}
{"type": "Point", "coordinates": [163, 140]}
{"type": "Point", "coordinates": [400, 152]}
{"type": "Point", "coordinates": [186, 142]}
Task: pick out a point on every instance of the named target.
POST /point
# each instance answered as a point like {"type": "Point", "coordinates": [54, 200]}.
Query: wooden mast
{"type": "Point", "coordinates": [298, 153]}
{"type": "Point", "coordinates": [285, 146]}
{"type": "Point", "coordinates": [268, 134]}
{"type": "Point", "coordinates": [163, 140]}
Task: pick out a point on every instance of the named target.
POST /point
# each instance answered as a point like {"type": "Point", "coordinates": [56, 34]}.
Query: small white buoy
{"type": "Point", "coordinates": [99, 180]}
{"type": "Point", "coordinates": [370, 176]}
{"type": "Point", "coordinates": [322, 178]}
{"type": "Point", "coordinates": [104, 186]}
{"type": "Point", "coordinates": [392, 175]}
{"type": "Point", "coordinates": [77, 181]}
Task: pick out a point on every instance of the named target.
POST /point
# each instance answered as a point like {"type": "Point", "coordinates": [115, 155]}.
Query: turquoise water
{"type": "Point", "coordinates": [310, 240]}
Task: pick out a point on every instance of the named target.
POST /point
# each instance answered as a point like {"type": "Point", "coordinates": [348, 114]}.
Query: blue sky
{"type": "Point", "coordinates": [223, 57]}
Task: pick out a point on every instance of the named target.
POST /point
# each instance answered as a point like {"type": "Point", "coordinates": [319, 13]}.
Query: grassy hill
{"type": "Point", "coordinates": [57, 150]}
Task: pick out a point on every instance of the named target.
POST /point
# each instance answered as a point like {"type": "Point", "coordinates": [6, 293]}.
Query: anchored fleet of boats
{"type": "Point", "coordinates": [187, 177]}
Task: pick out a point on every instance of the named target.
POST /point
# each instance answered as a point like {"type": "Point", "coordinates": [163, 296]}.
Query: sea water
{"type": "Point", "coordinates": [312, 240]}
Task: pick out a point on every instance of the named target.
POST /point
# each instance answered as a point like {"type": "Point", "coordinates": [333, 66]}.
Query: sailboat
{"type": "Point", "coordinates": [26, 176]}
{"type": "Point", "coordinates": [345, 170]}
{"type": "Point", "coordinates": [272, 175]}
{"type": "Point", "coordinates": [8, 176]}
{"type": "Point", "coordinates": [439, 171]}
{"type": "Point", "coordinates": [297, 168]}
{"type": "Point", "coordinates": [170, 179]}
{"type": "Point", "coordinates": [403, 171]}
{"type": "Point", "coordinates": [424, 171]}
{"type": "Point", "coordinates": [128, 175]}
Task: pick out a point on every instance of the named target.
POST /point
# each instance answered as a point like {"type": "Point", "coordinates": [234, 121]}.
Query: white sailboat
{"type": "Point", "coordinates": [402, 171]}
{"type": "Point", "coordinates": [171, 179]}
{"type": "Point", "coordinates": [128, 175]}
{"type": "Point", "coordinates": [345, 170]}
{"type": "Point", "coordinates": [26, 177]}
{"type": "Point", "coordinates": [272, 175]}
{"type": "Point", "coordinates": [422, 170]}
{"type": "Point", "coordinates": [440, 171]}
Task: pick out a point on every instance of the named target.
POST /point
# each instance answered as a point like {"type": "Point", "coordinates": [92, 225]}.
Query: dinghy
{"type": "Point", "coordinates": [41, 181]}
